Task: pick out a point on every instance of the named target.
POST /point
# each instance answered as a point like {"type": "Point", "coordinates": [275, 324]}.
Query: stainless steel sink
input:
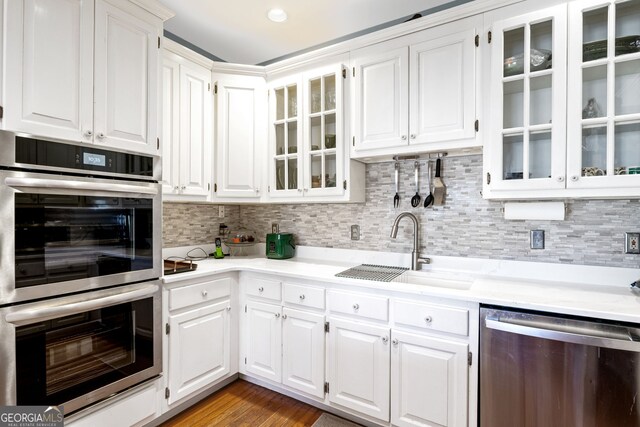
{"type": "Point", "coordinates": [435, 279]}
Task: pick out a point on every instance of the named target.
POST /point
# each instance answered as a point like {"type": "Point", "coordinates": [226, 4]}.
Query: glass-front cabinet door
{"type": "Point", "coordinates": [285, 136]}
{"type": "Point", "coordinates": [604, 94]}
{"type": "Point", "coordinates": [323, 135]}
{"type": "Point", "coordinates": [528, 126]}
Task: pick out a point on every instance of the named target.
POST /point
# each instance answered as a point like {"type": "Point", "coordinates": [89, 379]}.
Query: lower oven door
{"type": "Point", "coordinates": [77, 350]}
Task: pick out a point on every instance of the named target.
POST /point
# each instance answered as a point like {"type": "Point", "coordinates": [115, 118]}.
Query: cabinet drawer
{"type": "Point", "coordinates": [306, 296]}
{"type": "Point", "coordinates": [264, 288]}
{"type": "Point", "coordinates": [431, 316]}
{"type": "Point", "coordinates": [201, 292]}
{"type": "Point", "coordinates": [361, 305]}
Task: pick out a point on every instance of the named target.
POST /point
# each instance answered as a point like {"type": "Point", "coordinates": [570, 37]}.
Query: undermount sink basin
{"type": "Point", "coordinates": [436, 280]}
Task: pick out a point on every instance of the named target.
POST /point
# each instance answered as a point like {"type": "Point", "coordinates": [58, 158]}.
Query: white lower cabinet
{"type": "Point", "coordinates": [303, 345]}
{"type": "Point", "coordinates": [264, 340]}
{"type": "Point", "coordinates": [199, 347]}
{"type": "Point", "coordinates": [358, 368]}
{"type": "Point", "coordinates": [429, 381]}
{"type": "Point", "coordinates": [199, 336]}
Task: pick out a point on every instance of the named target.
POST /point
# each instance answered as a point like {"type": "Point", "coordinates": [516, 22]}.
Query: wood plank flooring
{"type": "Point", "coordinates": [244, 404]}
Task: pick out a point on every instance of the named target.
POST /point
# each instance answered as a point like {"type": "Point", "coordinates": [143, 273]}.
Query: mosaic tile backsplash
{"type": "Point", "coordinates": [466, 225]}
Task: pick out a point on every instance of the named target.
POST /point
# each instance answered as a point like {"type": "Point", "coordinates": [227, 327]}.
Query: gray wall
{"type": "Point", "coordinates": [466, 225]}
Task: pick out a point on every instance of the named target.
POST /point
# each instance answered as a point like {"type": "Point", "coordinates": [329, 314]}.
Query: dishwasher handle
{"type": "Point", "coordinates": [548, 331]}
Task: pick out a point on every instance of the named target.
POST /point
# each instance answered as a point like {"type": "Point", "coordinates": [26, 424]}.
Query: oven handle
{"type": "Point", "coordinates": [75, 186]}
{"type": "Point", "coordinates": [43, 313]}
{"type": "Point", "coordinates": [547, 331]}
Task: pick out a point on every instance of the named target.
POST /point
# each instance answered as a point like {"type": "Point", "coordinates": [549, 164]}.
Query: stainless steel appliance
{"type": "Point", "coordinates": [75, 218]}
{"type": "Point", "coordinates": [542, 370]}
{"type": "Point", "coordinates": [80, 258]}
{"type": "Point", "coordinates": [78, 349]}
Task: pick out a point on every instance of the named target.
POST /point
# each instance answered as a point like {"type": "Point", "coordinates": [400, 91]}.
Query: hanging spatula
{"type": "Point", "coordinates": [439, 188]}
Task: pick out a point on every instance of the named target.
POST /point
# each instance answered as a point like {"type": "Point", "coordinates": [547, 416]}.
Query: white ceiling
{"type": "Point", "coordinates": [238, 31]}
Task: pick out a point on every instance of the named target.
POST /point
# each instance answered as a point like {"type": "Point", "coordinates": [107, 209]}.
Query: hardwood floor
{"type": "Point", "coordinates": [244, 404]}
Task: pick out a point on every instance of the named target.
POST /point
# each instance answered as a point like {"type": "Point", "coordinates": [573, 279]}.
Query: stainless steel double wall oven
{"type": "Point", "coordinates": [80, 261]}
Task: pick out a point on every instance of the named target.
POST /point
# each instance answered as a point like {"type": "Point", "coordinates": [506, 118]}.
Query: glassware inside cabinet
{"type": "Point", "coordinates": [292, 134]}
{"type": "Point", "coordinates": [330, 92]}
{"type": "Point", "coordinates": [514, 52]}
{"type": "Point", "coordinates": [280, 174]}
{"type": "Point", "coordinates": [292, 101]}
{"type": "Point", "coordinates": [292, 173]}
{"type": "Point", "coordinates": [594, 92]}
{"type": "Point", "coordinates": [316, 171]}
{"type": "Point", "coordinates": [279, 104]}
{"type": "Point", "coordinates": [315, 96]}
{"type": "Point", "coordinates": [330, 168]}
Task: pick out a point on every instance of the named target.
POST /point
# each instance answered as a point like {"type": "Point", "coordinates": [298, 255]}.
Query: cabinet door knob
{"type": "Point", "coordinates": [395, 341]}
{"type": "Point", "coordinates": [356, 306]}
{"type": "Point", "coordinates": [284, 316]}
{"type": "Point", "coordinates": [184, 187]}
{"type": "Point", "coordinates": [260, 289]}
{"type": "Point", "coordinates": [299, 190]}
{"type": "Point", "coordinates": [277, 315]}
{"type": "Point", "coordinates": [404, 137]}
{"type": "Point", "coordinates": [100, 135]}
{"type": "Point", "coordinates": [88, 134]}
{"type": "Point", "coordinates": [228, 308]}
{"type": "Point", "coordinates": [257, 191]}
{"type": "Point", "coordinates": [302, 297]}
{"type": "Point", "coordinates": [574, 178]}
{"type": "Point", "coordinates": [385, 339]}
{"type": "Point", "coordinates": [560, 178]}
{"type": "Point", "coordinates": [428, 319]}
{"type": "Point", "coordinates": [204, 294]}
{"type": "Point", "coordinates": [176, 188]}
{"type": "Point", "coordinates": [413, 136]}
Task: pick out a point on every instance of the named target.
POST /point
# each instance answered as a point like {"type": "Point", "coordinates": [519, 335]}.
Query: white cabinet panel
{"type": "Point", "coordinates": [429, 378]}
{"type": "Point", "coordinates": [170, 126]}
{"type": "Point", "coordinates": [195, 130]}
{"type": "Point", "coordinates": [358, 368]}
{"type": "Point", "coordinates": [303, 351]}
{"type": "Point", "coordinates": [199, 348]}
{"type": "Point", "coordinates": [126, 78]}
{"type": "Point", "coordinates": [264, 340]}
{"type": "Point", "coordinates": [240, 114]}
{"type": "Point", "coordinates": [381, 105]}
{"type": "Point", "coordinates": [50, 67]}
{"type": "Point", "coordinates": [442, 78]}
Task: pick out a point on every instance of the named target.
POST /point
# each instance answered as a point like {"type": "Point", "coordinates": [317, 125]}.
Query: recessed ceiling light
{"type": "Point", "coordinates": [277, 15]}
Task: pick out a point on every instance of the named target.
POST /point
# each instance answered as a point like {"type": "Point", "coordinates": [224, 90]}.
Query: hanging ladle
{"type": "Point", "coordinates": [428, 201]}
{"type": "Point", "coordinates": [415, 200]}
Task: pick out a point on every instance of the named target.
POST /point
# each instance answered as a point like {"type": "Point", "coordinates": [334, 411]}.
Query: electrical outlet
{"type": "Point", "coordinates": [355, 232]}
{"type": "Point", "coordinates": [537, 239]}
{"type": "Point", "coordinates": [220, 211]}
{"type": "Point", "coordinates": [632, 243]}
{"type": "Point", "coordinates": [275, 227]}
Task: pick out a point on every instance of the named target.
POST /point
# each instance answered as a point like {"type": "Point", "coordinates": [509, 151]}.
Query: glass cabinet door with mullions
{"type": "Point", "coordinates": [528, 125]}
{"type": "Point", "coordinates": [323, 132]}
{"type": "Point", "coordinates": [604, 110]}
{"type": "Point", "coordinates": [286, 133]}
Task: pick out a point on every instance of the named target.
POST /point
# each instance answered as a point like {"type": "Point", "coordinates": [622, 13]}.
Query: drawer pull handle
{"type": "Point", "coordinates": [356, 306]}
{"type": "Point", "coordinates": [385, 339]}
{"type": "Point", "coordinates": [204, 294]}
{"type": "Point", "coordinates": [277, 315]}
{"type": "Point", "coordinates": [261, 289]}
{"type": "Point", "coordinates": [428, 319]}
{"type": "Point", "coordinates": [395, 341]}
{"type": "Point", "coordinates": [284, 316]}
{"type": "Point", "coordinates": [302, 297]}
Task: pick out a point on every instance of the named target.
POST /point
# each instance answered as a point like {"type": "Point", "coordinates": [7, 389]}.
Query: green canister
{"type": "Point", "coordinates": [280, 246]}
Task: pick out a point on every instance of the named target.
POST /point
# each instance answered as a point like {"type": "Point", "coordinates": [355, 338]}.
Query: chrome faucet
{"type": "Point", "coordinates": [415, 256]}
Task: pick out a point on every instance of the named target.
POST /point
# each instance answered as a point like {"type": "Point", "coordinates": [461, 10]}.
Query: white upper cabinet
{"type": "Point", "coordinates": [84, 70]}
{"type": "Point", "coordinates": [604, 97]}
{"type": "Point", "coordinates": [241, 113]}
{"type": "Point", "coordinates": [526, 146]}
{"type": "Point", "coordinates": [49, 51]}
{"type": "Point", "coordinates": [308, 158]}
{"type": "Point", "coordinates": [187, 126]}
{"type": "Point", "coordinates": [416, 93]}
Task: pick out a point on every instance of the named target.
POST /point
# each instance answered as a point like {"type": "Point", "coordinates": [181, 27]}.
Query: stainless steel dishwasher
{"type": "Point", "coordinates": [541, 370]}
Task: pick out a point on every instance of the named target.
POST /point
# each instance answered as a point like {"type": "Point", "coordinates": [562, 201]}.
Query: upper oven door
{"type": "Point", "coordinates": [64, 234]}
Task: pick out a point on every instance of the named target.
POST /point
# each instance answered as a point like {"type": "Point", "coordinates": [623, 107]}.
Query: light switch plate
{"type": "Point", "coordinates": [537, 239]}
{"type": "Point", "coordinates": [355, 232]}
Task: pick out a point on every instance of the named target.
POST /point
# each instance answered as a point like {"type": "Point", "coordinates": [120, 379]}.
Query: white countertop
{"type": "Point", "coordinates": [601, 292]}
